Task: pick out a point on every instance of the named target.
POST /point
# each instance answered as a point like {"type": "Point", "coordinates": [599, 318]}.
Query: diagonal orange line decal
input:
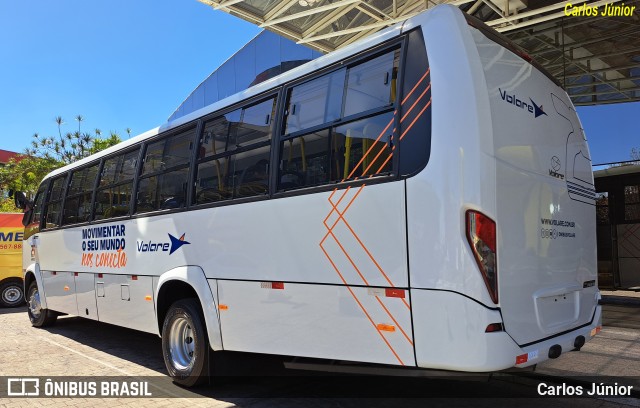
{"type": "Point", "coordinates": [394, 320]}
{"type": "Point", "coordinates": [415, 103]}
{"type": "Point", "coordinates": [362, 307]}
{"type": "Point", "coordinates": [416, 85]}
{"type": "Point", "coordinates": [335, 206]}
{"type": "Point", "coordinates": [341, 214]}
{"type": "Point", "coordinates": [371, 147]}
{"type": "Point", "coordinates": [350, 260]}
{"type": "Point", "coordinates": [414, 120]}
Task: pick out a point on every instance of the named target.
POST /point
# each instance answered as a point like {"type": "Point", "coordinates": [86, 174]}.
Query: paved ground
{"type": "Point", "coordinates": [80, 347]}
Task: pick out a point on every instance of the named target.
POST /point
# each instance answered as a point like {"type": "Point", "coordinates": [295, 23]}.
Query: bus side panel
{"type": "Point", "coordinates": [351, 236]}
{"type": "Point", "coordinates": [60, 289]}
{"type": "Point", "coordinates": [127, 302]}
{"type": "Point", "coordinates": [86, 295]}
{"type": "Point", "coordinates": [321, 321]}
{"type": "Point", "coordinates": [460, 173]}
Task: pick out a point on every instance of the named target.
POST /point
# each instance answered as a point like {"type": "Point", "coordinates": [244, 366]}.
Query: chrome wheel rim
{"type": "Point", "coordinates": [181, 343]}
{"type": "Point", "coordinates": [12, 295]}
{"type": "Point", "coordinates": [34, 304]}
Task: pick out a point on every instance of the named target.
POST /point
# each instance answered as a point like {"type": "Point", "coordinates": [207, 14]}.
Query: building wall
{"type": "Point", "coordinates": [265, 56]}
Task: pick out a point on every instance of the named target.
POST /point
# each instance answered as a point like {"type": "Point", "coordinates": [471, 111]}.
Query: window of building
{"type": "Point", "coordinates": [632, 203]}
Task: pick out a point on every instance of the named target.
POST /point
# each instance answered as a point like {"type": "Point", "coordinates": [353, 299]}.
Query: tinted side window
{"type": "Point", "coordinates": [53, 207]}
{"type": "Point", "coordinates": [352, 125]}
{"type": "Point", "coordinates": [38, 204]}
{"type": "Point", "coordinates": [77, 206]}
{"type": "Point", "coordinates": [165, 172]}
{"type": "Point", "coordinates": [315, 102]}
{"type": "Point", "coordinates": [241, 168]}
{"type": "Point", "coordinates": [113, 196]}
{"type": "Point", "coordinates": [371, 84]}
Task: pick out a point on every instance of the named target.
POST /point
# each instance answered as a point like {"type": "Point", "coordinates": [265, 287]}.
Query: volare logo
{"type": "Point", "coordinates": [163, 246]}
{"type": "Point", "coordinates": [176, 243]}
{"type": "Point", "coordinates": [514, 100]}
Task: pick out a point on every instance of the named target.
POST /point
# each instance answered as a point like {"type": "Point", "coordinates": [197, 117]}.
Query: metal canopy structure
{"type": "Point", "coordinates": [597, 58]}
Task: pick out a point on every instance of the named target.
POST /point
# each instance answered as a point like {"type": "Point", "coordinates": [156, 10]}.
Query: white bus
{"type": "Point", "coordinates": [422, 198]}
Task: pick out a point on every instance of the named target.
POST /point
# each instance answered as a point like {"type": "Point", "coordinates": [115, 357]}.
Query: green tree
{"type": "Point", "coordinates": [46, 154]}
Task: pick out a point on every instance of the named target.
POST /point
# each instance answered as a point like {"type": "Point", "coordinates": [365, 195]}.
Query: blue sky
{"type": "Point", "coordinates": [129, 64]}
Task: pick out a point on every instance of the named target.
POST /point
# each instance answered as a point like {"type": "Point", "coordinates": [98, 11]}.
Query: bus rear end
{"type": "Point", "coordinates": [520, 270]}
{"type": "Point", "coordinates": [545, 206]}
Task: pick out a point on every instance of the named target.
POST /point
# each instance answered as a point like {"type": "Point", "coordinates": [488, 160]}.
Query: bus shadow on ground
{"type": "Point", "coordinates": [137, 347]}
{"type": "Point", "coordinates": [19, 309]}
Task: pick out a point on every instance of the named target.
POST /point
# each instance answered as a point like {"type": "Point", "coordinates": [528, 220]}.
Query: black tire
{"type": "Point", "coordinates": [11, 293]}
{"type": "Point", "coordinates": [185, 344]}
{"type": "Point", "coordinates": [39, 317]}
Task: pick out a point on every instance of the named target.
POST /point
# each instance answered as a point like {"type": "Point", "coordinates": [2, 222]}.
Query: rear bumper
{"type": "Point", "coordinates": [449, 333]}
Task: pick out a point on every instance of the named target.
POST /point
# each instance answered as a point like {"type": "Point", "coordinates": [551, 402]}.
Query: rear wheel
{"type": "Point", "coordinates": [11, 293]}
{"type": "Point", "coordinates": [185, 344]}
{"type": "Point", "coordinates": [39, 317]}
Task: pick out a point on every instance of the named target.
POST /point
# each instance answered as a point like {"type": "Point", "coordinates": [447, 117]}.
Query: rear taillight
{"type": "Point", "coordinates": [481, 234]}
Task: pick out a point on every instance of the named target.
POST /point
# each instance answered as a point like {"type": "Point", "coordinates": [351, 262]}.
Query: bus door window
{"type": "Point", "coordinates": [54, 204]}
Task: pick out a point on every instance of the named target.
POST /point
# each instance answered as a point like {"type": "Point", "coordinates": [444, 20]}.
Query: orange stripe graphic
{"type": "Point", "coordinates": [341, 215]}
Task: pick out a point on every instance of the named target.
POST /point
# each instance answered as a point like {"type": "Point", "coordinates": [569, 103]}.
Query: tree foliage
{"type": "Point", "coordinates": [46, 154]}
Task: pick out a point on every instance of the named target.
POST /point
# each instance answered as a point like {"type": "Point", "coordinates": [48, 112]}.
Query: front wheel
{"type": "Point", "coordinates": [11, 293]}
{"type": "Point", "coordinates": [39, 317]}
{"type": "Point", "coordinates": [185, 343]}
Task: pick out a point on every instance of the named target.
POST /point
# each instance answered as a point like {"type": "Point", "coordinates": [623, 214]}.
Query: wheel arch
{"type": "Point", "coordinates": [189, 282]}
{"type": "Point", "coordinates": [32, 273]}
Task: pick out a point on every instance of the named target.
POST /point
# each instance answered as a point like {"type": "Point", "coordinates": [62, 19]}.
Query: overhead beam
{"type": "Point", "coordinates": [309, 12]}
{"type": "Point", "coordinates": [355, 30]}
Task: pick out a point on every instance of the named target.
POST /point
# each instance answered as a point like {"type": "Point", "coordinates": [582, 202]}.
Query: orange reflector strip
{"type": "Point", "coordinates": [521, 359]}
{"type": "Point", "coordinates": [596, 331]}
{"type": "Point", "coordinates": [392, 292]}
{"type": "Point", "coordinates": [148, 297]}
{"type": "Point", "coordinates": [386, 327]}
{"type": "Point", "coordinates": [66, 288]}
{"type": "Point", "coordinates": [223, 307]}
{"type": "Point", "coordinates": [272, 285]}
{"type": "Point", "coordinates": [134, 277]}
